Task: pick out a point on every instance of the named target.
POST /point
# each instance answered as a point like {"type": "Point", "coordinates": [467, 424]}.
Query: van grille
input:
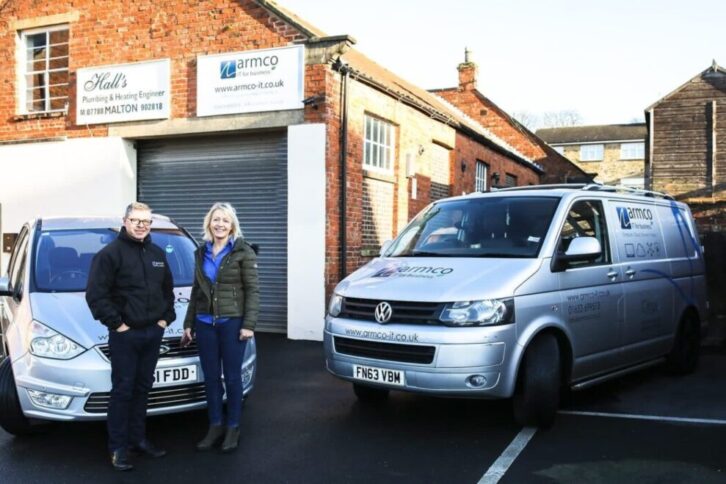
{"type": "Point", "coordinates": [385, 351]}
{"type": "Point", "coordinates": [175, 349]}
{"type": "Point", "coordinates": [158, 397]}
{"type": "Point", "coordinates": [405, 312]}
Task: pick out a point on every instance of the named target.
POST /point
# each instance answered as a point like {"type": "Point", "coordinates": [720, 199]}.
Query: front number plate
{"type": "Point", "coordinates": [175, 375]}
{"type": "Point", "coordinates": [379, 375]}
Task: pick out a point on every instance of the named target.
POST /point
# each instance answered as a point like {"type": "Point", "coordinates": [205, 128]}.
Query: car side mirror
{"type": "Point", "coordinates": [385, 247]}
{"type": "Point", "coordinates": [5, 286]}
{"type": "Point", "coordinates": [580, 249]}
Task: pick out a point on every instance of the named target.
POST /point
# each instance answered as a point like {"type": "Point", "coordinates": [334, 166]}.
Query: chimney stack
{"type": "Point", "coordinates": [467, 72]}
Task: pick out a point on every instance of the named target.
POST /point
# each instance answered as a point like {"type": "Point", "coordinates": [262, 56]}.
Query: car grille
{"type": "Point", "coordinates": [175, 349]}
{"type": "Point", "coordinates": [406, 312]}
{"type": "Point", "coordinates": [385, 351]}
{"type": "Point", "coordinates": [158, 397]}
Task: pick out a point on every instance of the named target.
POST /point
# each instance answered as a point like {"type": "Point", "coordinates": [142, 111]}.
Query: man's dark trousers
{"type": "Point", "coordinates": [134, 354]}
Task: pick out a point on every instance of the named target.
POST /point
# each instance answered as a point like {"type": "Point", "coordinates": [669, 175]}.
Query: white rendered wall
{"type": "Point", "coordinates": [83, 176]}
{"type": "Point", "coordinates": [306, 231]}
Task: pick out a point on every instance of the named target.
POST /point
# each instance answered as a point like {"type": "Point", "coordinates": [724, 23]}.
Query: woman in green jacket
{"type": "Point", "coordinates": [222, 314]}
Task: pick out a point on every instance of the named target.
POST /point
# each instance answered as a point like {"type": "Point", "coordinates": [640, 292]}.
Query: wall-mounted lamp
{"type": "Point", "coordinates": [495, 178]}
{"type": "Point", "coordinates": [463, 166]}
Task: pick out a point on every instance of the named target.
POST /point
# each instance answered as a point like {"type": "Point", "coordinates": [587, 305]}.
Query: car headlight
{"type": "Point", "coordinates": [478, 313]}
{"type": "Point", "coordinates": [336, 305]}
{"type": "Point", "coordinates": [46, 343]}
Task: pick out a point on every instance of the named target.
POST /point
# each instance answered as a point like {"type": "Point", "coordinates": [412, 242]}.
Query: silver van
{"type": "Point", "coordinates": [522, 293]}
{"type": "Point", "coordinates": [55, 356]}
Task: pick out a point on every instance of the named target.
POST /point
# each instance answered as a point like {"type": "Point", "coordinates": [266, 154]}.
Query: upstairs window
{"type": "Point", "coordinates": [510, 180]}
{"type": "Point", "coordinates": [482, 171]}
{"type": "Point", "coordinates": [45, 69]}
{"type": "Point", "coordinates": [632, 151]}
{"type": "Point", "coordinates": [592, 152]}
{"type": "Point", "coordinates": [378, 146]}
{"type": "Point", "coordinates": [559, 149]}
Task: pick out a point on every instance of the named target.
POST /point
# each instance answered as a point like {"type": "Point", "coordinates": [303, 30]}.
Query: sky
{"type": "Point", "coordinates": [606, 59]}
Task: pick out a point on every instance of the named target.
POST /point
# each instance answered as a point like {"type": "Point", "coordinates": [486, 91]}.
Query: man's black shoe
{"type": "Point", "coordinates": [147, 448]}
{"type": "Point", "coordinates": [120, 461]}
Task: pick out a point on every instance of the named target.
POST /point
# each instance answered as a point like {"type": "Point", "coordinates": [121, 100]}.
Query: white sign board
{"type": "Point", "coordinates": [126, 92]}
{"type": "Point", "coordinates": [250, 81]}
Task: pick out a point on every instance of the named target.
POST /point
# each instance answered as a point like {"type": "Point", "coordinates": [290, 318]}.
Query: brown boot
{"type": "Point", "coordinates": [231, 439]}
{"type": "Point", "coordinates": [214, 435]}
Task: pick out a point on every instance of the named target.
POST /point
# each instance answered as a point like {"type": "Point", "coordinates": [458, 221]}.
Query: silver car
{"type": "Point", "coordinates": [55, 363]}
{"type": "Point", "coordinates": [523, 293]}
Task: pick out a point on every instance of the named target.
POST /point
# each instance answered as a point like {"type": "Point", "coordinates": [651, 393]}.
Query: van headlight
{"type": "Point", "coordinates": [46, 343]}
{"type": "Point", "coordinates": [336, 305]}
{"type": "Point", "coordinates": [478, 313]}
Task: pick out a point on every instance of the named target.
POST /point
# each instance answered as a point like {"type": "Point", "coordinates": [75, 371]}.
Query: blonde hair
{"type": "Point", "coordinates": [229, 211]}
{"type": "Point", "coordinates": [136, 206]}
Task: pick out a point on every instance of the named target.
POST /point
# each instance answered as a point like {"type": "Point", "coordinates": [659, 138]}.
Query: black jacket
{"type": "Point", "coordinates": [234, 294]}
{"type": "Point", "coordinates": [130, 282]}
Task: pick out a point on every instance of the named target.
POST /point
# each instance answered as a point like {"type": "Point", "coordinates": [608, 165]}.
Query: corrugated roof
{"type": "Point", "coordinates": [591, 134]}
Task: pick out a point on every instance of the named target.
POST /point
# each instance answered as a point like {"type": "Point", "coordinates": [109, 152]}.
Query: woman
{"type": "Point", "coordinates": [222, 314]}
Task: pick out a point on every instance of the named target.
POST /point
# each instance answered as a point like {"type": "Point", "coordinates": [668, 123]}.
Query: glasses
{"type": "Point", "coordinates": [140, 221]}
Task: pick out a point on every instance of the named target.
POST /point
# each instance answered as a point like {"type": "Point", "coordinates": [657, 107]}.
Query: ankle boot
{"type": "Point", "coordinates": [231, 439]}
{"type": "Point", "coordinates": [214, 434]}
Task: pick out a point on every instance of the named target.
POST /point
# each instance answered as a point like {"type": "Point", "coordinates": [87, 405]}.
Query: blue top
{"type": "Point", "coordinates": [210, 267]}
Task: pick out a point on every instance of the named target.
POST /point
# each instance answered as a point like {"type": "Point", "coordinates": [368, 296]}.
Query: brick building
{"type": "Point", "coordinates": [324, 153]}
{"type": "Point", "coordinates": [615, 153]}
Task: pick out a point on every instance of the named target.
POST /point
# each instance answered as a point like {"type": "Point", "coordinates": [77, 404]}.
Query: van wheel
{"type": "Point", "coordinates": [369, 394]}
{"type": "Point", "coordinates": [684, 356]}
{"type": "Point", "coordinates": [537, 394]}
{"type": "Point", "coordinates": [11, 416]}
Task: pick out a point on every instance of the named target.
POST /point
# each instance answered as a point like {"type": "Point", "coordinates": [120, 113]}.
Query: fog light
{"type": "Point", "coordinates": [247, 373]}
{"type": "Point", "coordinates": [49, 400]}
{"type": "Point", "coordinates": [476, 381]}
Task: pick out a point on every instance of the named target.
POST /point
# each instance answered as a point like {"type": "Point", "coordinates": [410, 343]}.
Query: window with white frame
{"type": "Point", "coordinates": [480, 181]}
{"type": "Point", "coordinates": [592, 152]}
{"type": "Point", "coordinates": [378, 147]}
{"type": "Point", "coordinates": [559, 149]}
{"type": "Point", "coordinates": [632, 151]}
{"type": "Point", "coordinates": [45, 69]}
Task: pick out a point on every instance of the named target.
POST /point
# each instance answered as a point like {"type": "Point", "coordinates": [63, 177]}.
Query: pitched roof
{"type": "Point", "coordinates": [593, 134]}
{"type": "Point", "coordinates": [714, 69]}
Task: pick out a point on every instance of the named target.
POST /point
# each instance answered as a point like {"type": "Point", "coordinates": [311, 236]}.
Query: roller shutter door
{"type": "Point", "coordinates": [182, 178]}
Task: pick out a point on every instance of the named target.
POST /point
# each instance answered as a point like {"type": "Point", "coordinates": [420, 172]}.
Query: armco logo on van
{"type": "Point", "coordinates": [628, 214]}
{"type": "Point", "coordinates": [414, 271]}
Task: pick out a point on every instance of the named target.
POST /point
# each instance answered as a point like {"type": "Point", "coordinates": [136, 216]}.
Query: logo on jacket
{"type": "Point", "coordinates": [158, 263]}
{"type": "Point", "coordinates": [383, 312]}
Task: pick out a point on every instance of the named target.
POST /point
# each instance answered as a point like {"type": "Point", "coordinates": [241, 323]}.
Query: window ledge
{"type": "Point", "coordinates": [376, 175]}
{"type": "Point", "coordinates": [25, 117]}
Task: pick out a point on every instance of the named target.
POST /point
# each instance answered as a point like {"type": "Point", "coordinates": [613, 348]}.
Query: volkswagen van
{"type": "Point", "coordinates": [522, 293]}
{"type": "Point", "coordinates": [55, 357]}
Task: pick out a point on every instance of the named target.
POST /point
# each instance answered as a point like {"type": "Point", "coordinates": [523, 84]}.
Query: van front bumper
{"type": "Point", "coordinates": [459, 355]}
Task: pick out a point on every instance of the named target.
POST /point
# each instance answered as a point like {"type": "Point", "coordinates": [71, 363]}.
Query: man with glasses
{"type": "Point", "coordinates": [131, 291]}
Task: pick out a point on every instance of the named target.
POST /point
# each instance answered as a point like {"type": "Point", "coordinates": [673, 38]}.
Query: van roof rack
{"type": "Point", "coordinates": [592, 187]}
{"type": "Point", "coordinates": [555, 186]}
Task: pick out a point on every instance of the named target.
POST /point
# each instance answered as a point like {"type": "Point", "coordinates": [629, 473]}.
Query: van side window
{"type": "Point", "coordinates": [586, 218]}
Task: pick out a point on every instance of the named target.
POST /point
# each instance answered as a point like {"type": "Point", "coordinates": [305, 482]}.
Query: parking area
{"type": "Point", "coordinates": [303, 425]}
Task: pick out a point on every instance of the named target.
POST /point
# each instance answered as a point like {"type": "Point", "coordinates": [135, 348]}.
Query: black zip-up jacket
{"type": "Point", "coordinates": [130, 282]}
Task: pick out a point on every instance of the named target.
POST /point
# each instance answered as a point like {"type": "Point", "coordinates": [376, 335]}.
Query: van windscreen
{"type": "Point", "coordinates": [478, 227]}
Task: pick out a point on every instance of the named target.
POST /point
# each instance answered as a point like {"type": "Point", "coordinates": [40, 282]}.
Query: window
{"type": "Point", "coordinates": [559, 149]}
{"type": "Point", "coordinates": [482, 170]}
{"type": "Point", "coordinates": [45, 79]}
{"type": "Point", "coordinates": [592, 152]}
{"type": "Point", "coordinates": [378, 146]}
{"type": "Point", "coordinates": [510, 180]}
{"type": "Point", "coordinates": [632, 151]}
{"type": "Point", "coordinates": [585, 219]}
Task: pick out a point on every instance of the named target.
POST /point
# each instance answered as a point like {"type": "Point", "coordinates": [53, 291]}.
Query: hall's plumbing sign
{"type": "Point", "coordinates": [250, 81]}
{"type": "Point", "coordinates": [124, 92]}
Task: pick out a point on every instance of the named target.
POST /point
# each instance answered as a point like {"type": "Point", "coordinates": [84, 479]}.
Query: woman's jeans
{"type": "Point", "coordinates": [220, 350]}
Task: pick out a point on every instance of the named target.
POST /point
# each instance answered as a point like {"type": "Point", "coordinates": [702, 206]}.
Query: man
{"type": "Point", "coordinates": [131, 291]}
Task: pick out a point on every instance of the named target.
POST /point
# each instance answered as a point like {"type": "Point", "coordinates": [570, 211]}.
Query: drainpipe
{"type": "Point", "coordinates": [344, 72]}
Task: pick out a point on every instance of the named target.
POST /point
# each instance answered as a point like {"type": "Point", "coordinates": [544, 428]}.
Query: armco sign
{"type": "Point", "coordinates": [252, 81]}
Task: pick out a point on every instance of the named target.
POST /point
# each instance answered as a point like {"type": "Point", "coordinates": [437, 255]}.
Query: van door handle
{"type": "Point", "coordinates": [630, 273]}
{"type": "Point", "coordinates": [612, 275]}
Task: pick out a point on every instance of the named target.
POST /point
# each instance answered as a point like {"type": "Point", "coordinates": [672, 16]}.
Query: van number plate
{"type": "Point", "coordinates": [379, 375]}
{"type": "Point", "coordinates": [174, 375]}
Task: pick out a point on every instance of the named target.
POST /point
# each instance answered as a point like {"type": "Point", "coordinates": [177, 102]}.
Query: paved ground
{"type": "Point", "coordinates": [303, 425]}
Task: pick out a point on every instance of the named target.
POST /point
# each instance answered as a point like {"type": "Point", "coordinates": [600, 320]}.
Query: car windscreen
{"type": "Point", "coordinates": [478, 227]}
{"type": "Point", "coordinates": [63, 257]}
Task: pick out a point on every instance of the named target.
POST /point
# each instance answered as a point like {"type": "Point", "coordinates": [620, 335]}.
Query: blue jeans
{"type": "Point", "coordinates": [220, 350]}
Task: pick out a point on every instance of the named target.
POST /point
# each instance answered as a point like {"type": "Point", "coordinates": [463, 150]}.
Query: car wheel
{"type": "Point", "coordinates": [11, 416]}
{"type": "Point", "coordinates": [369, 394]}
{"type": "Point", "coordinates": [537, 394]}
{"type": "Point", "coordinates": [686, 352]}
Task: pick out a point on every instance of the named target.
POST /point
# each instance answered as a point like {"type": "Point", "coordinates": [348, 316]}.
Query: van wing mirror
{"type": "Point", "coordinates": [580, 249]}
{"type": "Point", "coordinates": [385, 247]}
{"type": "Point", "coordinates": [5, 287]}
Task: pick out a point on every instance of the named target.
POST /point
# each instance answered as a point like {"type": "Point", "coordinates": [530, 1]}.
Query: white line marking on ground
{"type": "Point", "coordinates": [500, 466]}
{"type": "Point", "coordinates": [658, 418]}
